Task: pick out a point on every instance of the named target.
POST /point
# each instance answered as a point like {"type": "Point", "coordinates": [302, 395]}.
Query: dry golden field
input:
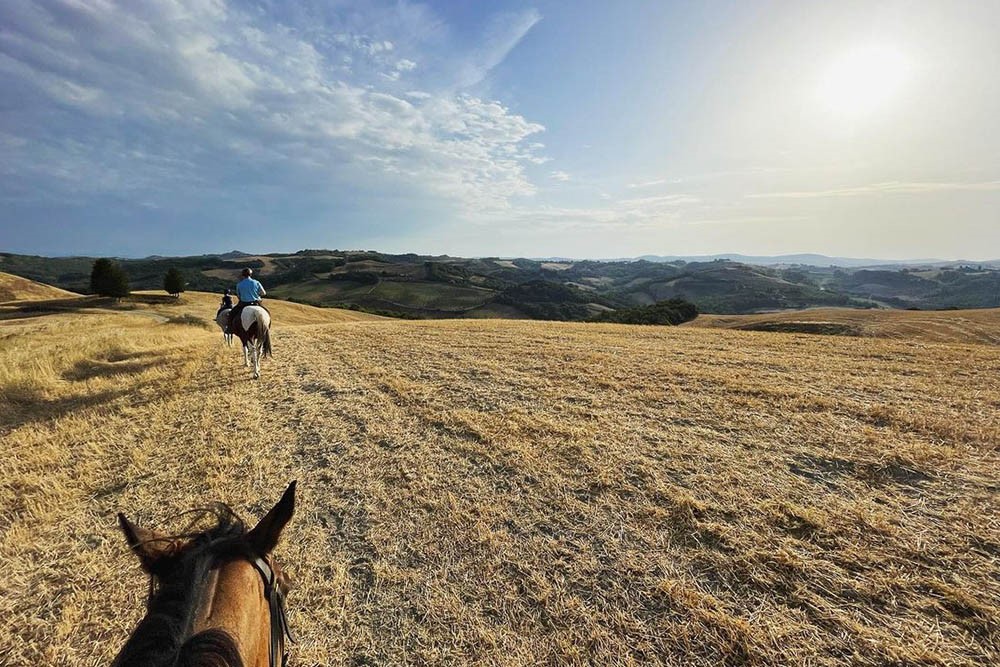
{"type": "Point", "coordinates": [514, 493]}
{"type": "Point", "coordinates": [15, 288]}
{"type": "Point", "coordinates": [938, 326]}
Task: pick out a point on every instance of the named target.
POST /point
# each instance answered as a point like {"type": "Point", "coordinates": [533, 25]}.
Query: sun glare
{"type": "Point", "coordinates": [863, 80]}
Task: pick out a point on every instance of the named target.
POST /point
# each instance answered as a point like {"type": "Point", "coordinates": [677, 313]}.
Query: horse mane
{"type": "Point", "coordinates": [162, 638]}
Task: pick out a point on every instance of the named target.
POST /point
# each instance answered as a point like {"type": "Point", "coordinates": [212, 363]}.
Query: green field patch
{"type": "Point", "coordinates": [437, 296]}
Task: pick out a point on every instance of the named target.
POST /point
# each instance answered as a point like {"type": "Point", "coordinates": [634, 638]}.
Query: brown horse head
{"type": "Point", "coordinates": [216, 595]}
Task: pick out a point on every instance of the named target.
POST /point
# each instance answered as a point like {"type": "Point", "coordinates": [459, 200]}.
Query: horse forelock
{"type": "Point", "coordinates": [163, 635]}
{"type": "Point", "coordinates": [211, 648]}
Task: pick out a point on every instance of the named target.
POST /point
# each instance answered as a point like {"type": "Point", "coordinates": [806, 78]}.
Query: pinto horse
{"type": "Point", "coordinates": [222, 319]}
{"type": "Point", "coordinates": [253, 328]}
{"type": "Point", "coordinates": [216, 596]}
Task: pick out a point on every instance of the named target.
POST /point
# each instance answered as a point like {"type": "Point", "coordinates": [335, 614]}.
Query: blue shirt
{"type": "Point", "coordinates": [249, 289]}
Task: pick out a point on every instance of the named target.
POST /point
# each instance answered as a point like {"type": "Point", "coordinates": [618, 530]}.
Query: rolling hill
{"type": "Point", "coordinates": [16, 288]}
{"type": "Point", "coordinates": [418, 286]}
{"type": "Point", "coordinates": [514, 492]}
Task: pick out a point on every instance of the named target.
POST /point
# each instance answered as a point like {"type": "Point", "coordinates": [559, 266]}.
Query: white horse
{"type": "Point", "coordinates": [255, 334]}
{"type": "Point", "coordinates": [222, 319]}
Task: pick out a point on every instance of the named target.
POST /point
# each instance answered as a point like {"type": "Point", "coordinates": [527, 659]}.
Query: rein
{"type": "Point", "coordinates": [279, 620]}
{"type": "Point", "coordinates": [276, 605]}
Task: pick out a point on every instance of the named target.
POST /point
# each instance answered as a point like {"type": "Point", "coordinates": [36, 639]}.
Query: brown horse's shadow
{"type": "Point", "coordinates": [32, 405]}
{"type": "Point", "coordinates": [28, 409]}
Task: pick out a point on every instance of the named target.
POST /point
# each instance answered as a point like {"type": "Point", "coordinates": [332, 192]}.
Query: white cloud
{"type": "Point", "coordinates": [648, 184]}
{"type": "Point", "coordinates": [892, 187]}
{"type": "Point", "coordinates": [561, 176]}
{"type": "Point", "coordinates": [626, 214]}
{"type": "Point", "coordinates": [207, 95]}
{"type": "Point", "coordinates": [364, 44]}
{"type": "Point", "coordinates": [659, 202]}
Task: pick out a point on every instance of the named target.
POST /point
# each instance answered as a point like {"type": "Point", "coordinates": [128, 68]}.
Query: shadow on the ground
{"type": "Point", "coordinates": [28, 410]}
{"type": "Point", "coordinates": [89, 369]}
{"type": "Point", "coordinates": [22, 309]}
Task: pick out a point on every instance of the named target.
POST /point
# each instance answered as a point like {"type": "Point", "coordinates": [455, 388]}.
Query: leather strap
{"type": "Point", "coordinates": [279, 619]}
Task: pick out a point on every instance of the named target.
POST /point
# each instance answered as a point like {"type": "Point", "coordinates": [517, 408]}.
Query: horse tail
{"type": "Point", "coordinates": [266, 334]}
{"type": "Point", "coordinates": [267, 342]}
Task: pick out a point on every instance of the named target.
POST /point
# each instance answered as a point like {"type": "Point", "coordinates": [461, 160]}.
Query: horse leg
{"type": "Point", "coordinates": [256, 360]}
{"type": "Point", "coordinates": [246, 354]}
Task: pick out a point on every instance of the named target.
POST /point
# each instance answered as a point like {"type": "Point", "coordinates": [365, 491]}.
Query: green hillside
{"type": "Point", "coordinates": [410, 285]}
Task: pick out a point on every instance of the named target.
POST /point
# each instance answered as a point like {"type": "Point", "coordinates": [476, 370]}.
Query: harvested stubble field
{"type": "Point", "coordinates": [937, 326]}
{"type": "Point", "coordinates": [517, 493]}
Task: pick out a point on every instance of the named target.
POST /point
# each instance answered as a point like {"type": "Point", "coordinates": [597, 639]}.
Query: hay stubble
{"type": "Point", "coordinates": [518, 493]}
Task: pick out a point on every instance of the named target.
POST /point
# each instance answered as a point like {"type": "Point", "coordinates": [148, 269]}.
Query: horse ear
{"type": "Point", "coordinates": [148, 545]}
{"type": "Point", "coordinates": [264, 536]}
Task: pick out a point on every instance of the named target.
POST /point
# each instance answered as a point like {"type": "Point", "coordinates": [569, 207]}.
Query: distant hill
{"type": "Point", "coordinates": [812, 259]}
{"type": "Point", "coordinates": [422, 286]}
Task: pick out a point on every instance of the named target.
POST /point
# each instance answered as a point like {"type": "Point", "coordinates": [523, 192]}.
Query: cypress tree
{"type": "Point", "coordinates": [107, 278]}
{"type": "Point", "coordinates": [173, 282]}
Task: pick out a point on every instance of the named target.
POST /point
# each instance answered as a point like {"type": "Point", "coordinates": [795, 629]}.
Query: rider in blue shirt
{"type": "Point", "coordinates": [248, 289]}
{"type": "Point", "coordinates": [249, 292]}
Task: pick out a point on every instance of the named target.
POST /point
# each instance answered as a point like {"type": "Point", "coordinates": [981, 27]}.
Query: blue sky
{"type": "Point", "coordinates": [584, 129]}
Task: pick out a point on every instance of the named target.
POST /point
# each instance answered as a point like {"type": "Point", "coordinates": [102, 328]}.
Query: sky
{"type": "Point", "coordinates": [581, 128]}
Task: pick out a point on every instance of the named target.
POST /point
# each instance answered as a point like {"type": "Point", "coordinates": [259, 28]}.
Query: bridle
{"type": "Point", "coordinates": [275, 604]}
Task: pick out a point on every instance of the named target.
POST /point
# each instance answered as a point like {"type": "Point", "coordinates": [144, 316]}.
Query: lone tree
{"type": "Point", "coordinates": [107, 278]}
{"type": "Point", "coordinates": [173, 282]}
